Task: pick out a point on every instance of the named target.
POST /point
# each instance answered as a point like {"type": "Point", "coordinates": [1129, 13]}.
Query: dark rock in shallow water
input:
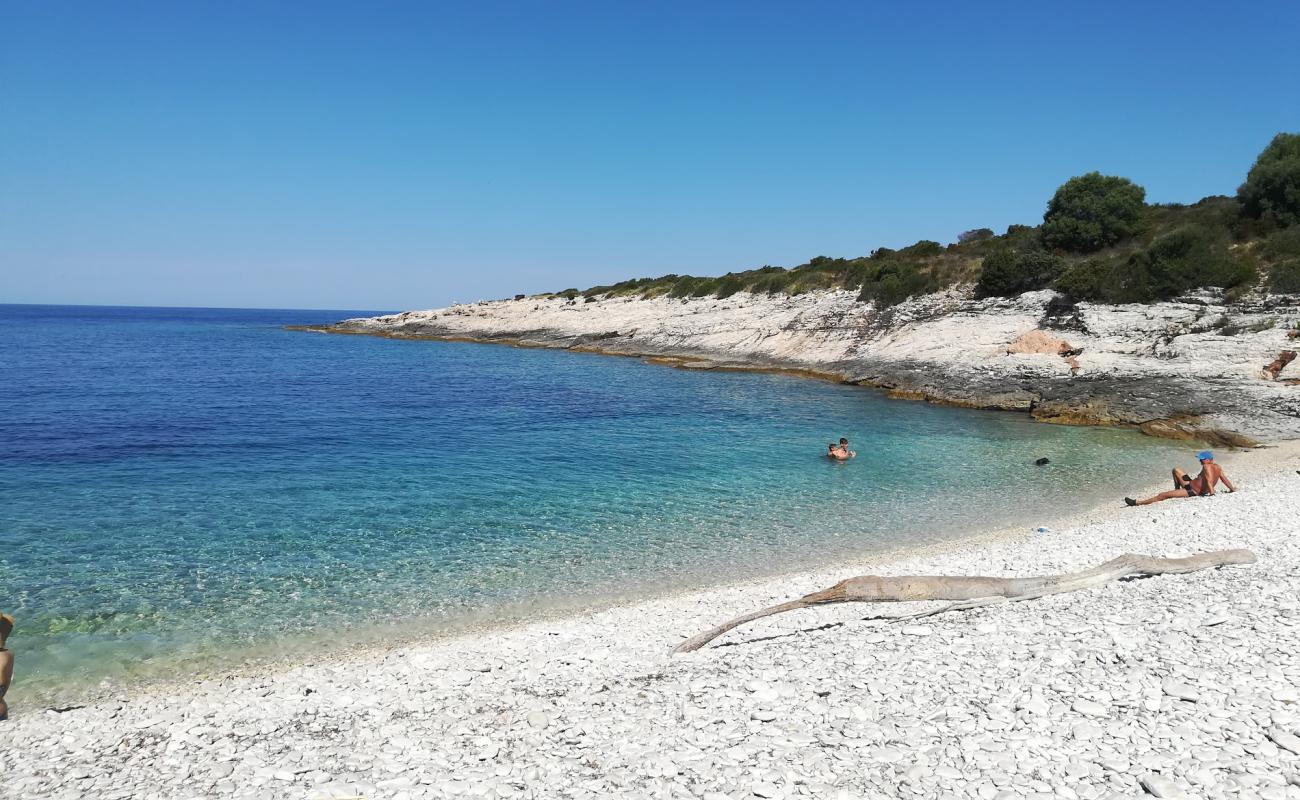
{"type": "Point", "coordinates": [1042, 461]}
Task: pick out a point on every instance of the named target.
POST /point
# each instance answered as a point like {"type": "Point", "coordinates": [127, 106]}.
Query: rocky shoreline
{"type": "Point", "coordinates": [1194, 368]}
{"type": "Point", "coordinates": [1171, 685]}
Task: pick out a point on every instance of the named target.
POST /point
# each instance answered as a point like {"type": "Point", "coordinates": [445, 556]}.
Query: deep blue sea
{"type": "Point", "coordinates": [185, 488]}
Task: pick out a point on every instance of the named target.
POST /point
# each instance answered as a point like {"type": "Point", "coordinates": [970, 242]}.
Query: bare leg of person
{"type": "Point", "coordinates": [1180, 478]}
{"type": "Point", "coordinates": [1172, 494]}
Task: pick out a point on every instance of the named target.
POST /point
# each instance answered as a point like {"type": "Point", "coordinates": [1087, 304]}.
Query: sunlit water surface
{"type": "Point", "coordinates": [178, 483]}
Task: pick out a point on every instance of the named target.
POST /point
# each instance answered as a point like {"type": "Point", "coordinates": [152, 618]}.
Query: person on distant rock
{"type": "Point", "coordinates": [6, 663]}
{"type": "Point", "coordinates": [1186, 486]}
{"type": "Point", "coordinates": [840, 452]}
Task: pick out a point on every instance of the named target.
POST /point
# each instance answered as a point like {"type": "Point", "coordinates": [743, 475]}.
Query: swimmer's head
{"type": "Point", "coordinates": [843, 440]}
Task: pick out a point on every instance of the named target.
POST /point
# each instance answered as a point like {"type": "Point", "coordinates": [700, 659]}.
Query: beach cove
{"type": "Point", "coordinates": [1187, 682]}
{"type": "Point", "coordinates": [185, 491]}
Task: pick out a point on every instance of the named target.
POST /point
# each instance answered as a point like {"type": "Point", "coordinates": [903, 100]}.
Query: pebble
{"type": "Point", "coordinates": [538, 719]}
{"type": "Point", "coordinates": [1090, 708]}
{"type": "Point", "coordinates": [1182, 691]}
{"type": "Point", "coordinates": [1285, 740]}
{"type": "Point", "coordinates": [1160, 786]}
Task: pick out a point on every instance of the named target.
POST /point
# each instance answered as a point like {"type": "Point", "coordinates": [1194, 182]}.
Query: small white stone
{"type": "Point", "coordinates": [1086, 730]}
{"type": "Point", "coordinates": [1284, 740]}
{"type": "Point", "coordinates": [888, 755]}
{"type": "Point", "coordinates": [538, 719]}
{"type": "Point", "coordinates": [1090, 708]}
{"type": "Point", "coordinates": [1180, 690]}
{"type": "Point", "coordinates": [918, 630]}
{"type": "Point", "coordinates": [762, 715]}
{"type": "Point", "coordinates": [1035, 705]}
{"type": "Point", "coordinates": [1160, 786]}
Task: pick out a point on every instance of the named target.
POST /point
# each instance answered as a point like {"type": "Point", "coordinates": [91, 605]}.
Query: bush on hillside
{"type": "Point", "coordinates": [1189, 258]}
{"type": "Point", "coordinates": [975, 235]}
{"type": "Point", "coordinates": [1094, 279]}
{"type": "Point", "coordinates": [892, 282]}
{"type": "Point", "coordinates": [1284, 278]}
{"type": "Point", "coordinates": [1007, 274]}
{"type": "Point", "coordinates": [1282, 251]}
{"type": "Point", "coordinates": [1272, 188]}
{"type": "Point", "coordinates": [1282, 245]}
{"type": "Point", "coordinates": [1093, 211]}
{"type": "Point", "coordinates": [772, 283]}
{"type": "Point", "coordinates": [1179, 261]}
{"type": "Point", "coordinates": [727, 286]}
{"type": "Point", "coordinates": [921, 249]}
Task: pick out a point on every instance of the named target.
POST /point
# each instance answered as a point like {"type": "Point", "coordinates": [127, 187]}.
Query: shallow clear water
{"type": "Point", "coordinates": [179, 482]}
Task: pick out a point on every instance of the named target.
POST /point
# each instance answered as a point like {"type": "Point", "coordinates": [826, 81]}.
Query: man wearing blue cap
{"type": "Point", "coordinates": [1185, 486]}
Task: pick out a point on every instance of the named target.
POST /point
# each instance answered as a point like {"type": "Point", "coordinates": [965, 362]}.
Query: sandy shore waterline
{"type": "Point", "coordinates": [1190, 678]}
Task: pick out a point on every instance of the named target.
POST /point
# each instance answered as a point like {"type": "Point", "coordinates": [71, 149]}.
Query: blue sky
{"type": "Point", "coordinates": [388, 155]}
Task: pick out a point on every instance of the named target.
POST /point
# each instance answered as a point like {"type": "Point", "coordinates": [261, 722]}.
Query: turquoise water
{"type": "Point", "coordinates": [178, 483]}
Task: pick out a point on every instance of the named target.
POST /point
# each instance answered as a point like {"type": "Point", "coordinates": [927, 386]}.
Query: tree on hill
{"type": "Point", "coordinates": [1093, 211]}
{"type": "Point", "coordinates": [1272, 188]}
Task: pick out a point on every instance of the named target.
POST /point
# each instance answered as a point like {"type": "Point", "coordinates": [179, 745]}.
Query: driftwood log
{"type": "Point", "coordinates": [977, 591]}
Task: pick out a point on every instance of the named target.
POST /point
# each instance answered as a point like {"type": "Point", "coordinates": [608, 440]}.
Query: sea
{"type": "Point", "coordinates": [187, 490]}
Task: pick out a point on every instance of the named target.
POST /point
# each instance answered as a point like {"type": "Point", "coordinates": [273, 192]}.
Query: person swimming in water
{"type": "Point", "coordinates": [1202, 485]}
{"type": "Point", "coordinates": [6, 663]}
{"type": "Point", "coordinates": [840, 452]}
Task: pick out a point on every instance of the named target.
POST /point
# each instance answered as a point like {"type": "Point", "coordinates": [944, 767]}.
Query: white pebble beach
{"type": "Point", "coordinates": [1167, 686]}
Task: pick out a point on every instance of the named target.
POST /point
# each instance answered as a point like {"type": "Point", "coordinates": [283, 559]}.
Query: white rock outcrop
{"type": "Point", "coordinates": [1192, 367]}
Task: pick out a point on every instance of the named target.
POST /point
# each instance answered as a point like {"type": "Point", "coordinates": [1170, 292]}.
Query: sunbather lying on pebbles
{"type": "Point", "coordinates": [1186, 486]}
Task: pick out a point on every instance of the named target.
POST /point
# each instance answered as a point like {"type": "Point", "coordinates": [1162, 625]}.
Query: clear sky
{"type": "Point", "coordinates": [388, 155]}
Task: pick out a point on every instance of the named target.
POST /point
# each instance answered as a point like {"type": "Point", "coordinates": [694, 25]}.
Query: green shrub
{"type": "Point", "coordinates": [822, 264]}
{"type": "Point", "coordinates": [727, 286]}
{"type": "Point", "coordinates": [1282, 251]}
{"type": "Point", "coordinates": [1272, 188]}
{"type": "Point", "coordinates": [1282, 245]}
{"type": "Point", "coordinates": [894, 282]}
{"type": "Point", "coordinates": [771, 283]}
{"type": "Point", "coordinates": [1093, 211]}
{"type": "Point", "coordinates": [704, 287]}
{"type": "Point", "coordinates": [1189, 258]}
{"type": "Point", "coordinates": [1284, 278]}
{"type": "Point", "coordinates": [1183, 259]}
{"type": "Point", "coordinates": [1094, 279]}
{"type": "Point", "coordinates": [1006, 274]}
{"type": "Point", "coordinates": [683, 287]}
{"type": "Point", "coordinates": [975, 235]}
{"type": "Point", "coordinates": [809, 280]}
{"type": "Point", "coordinates": [921, 249]}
